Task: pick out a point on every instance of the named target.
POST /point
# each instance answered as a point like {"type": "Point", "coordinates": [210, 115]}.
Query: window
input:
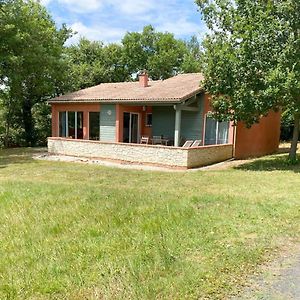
{"type": "Point", "coordinates": [62, 123]}
{"type": "Point", "coordinates": [71, 124]}
{"type": "Point", "coordinates": [94, 125]}
{"type": "Point", "coordinates": [149, 119]}
{"type": "Point", "coordinates": [216, 132]}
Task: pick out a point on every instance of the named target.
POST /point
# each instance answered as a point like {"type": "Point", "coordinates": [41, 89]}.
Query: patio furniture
{"type": "Point", "coordinates": [144, 140]}
{"type": "Point", "coordinates": [187, 144]}
{"type": "Point", "coordinates": [196, 143]}
{"type": "Point", "coordinates": [157, 139]}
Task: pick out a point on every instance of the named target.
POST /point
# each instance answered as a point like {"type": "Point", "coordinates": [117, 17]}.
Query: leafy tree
{"type": "Point", "coordinates": [193, 57]}
{"type": "Point", "coordinates": [91, 63]}
{"type": "Point", "coordinates": [159, 53]}
{"type": "Point", "coordinates": [31, 60]}
{"type": "Point", "coordinates": [251, 61]}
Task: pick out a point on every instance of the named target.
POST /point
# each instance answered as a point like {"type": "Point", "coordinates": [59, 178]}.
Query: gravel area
{"type": "Point", "coordinates": [280, 280]}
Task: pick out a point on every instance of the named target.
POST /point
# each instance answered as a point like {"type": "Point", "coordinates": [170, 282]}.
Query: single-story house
{"type": "Point", "coordinates": [163, 122]}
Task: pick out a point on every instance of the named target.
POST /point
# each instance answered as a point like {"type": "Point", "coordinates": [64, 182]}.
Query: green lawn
{"type": "Point", "coordinates": [75, 231]}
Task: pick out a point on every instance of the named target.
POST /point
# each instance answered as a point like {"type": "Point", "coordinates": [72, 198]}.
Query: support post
{"type": "Point", "coordinates": [177, 126]}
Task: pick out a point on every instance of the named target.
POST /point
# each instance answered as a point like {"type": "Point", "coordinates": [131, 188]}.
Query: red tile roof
{"type": "Point", "coordinates": [173, 90]}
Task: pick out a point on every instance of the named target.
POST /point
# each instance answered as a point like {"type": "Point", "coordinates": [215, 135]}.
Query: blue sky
{"type": "Point", "coordinates": [109, 20]}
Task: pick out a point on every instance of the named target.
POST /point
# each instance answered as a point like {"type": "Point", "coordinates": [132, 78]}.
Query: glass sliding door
{"type": "Point", "coordinates": [134, 128]}
{"type": "Point", "coordinates": [79, 127]}
{"type": "Point", "coordinates": [71, 124]}
{"type": "Point", "coordinates": [94, 125]}
{"type": "Point", "coordinates": [126, 125]}
{"type": "Point", "coordinates": [131, 127]}
{"type": "Point", "coordinates": [210, 131]}
{"type": "Point", "coordinates": [216, 132]}
{"type": "Point", "coordinates": [223, 128]}
{"type": "Point", "coordinates": [62, 123]}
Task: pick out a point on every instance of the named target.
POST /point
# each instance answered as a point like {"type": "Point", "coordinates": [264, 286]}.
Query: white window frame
{"type": "Point", "coordinates": [217, 130]}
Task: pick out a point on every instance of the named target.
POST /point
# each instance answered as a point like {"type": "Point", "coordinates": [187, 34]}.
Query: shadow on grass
{"type": "Point", "coordinates": [18, 155]}
{"type": "Point", "coordinates": [277, 162]}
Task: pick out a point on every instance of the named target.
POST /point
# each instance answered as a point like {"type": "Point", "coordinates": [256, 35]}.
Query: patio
{"type": "Point", "coordinates": [156, 155]}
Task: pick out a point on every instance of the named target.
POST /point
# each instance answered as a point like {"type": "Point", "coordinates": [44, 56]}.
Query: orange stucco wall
{"type": "Point", "coordinates": [85, 108]}
{"type": "Point", "coordinates": [260, 139]}
{"type": "Point", "coordinates": [120, 109]}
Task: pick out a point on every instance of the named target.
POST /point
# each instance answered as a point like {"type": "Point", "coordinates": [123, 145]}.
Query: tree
{"type": "Point", "coordinates": [159, 53]}
{"type": "Point", "coordinates": [92, 63]}
{"type": "Point", "coordinates": [31, 61]}
{"type": "Point", "coordinates": [193, 57]}
{"type": "Point", "coordinates": [251, 61]}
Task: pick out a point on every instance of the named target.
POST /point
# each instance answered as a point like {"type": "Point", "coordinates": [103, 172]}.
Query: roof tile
{"type": "Point", "coordinates": [174, 89]}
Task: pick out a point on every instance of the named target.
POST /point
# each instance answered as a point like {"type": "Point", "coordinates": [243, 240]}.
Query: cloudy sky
{"type": "Point", "coordinates": [109, 20]}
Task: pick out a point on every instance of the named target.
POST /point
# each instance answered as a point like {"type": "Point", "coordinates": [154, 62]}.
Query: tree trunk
{"type": "Point", "coordinates": [28, 123]}
{"type": "Point", "coordinates": [294, 143]}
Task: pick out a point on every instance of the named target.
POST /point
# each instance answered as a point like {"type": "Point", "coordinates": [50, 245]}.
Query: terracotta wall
{"type": "Point", "coordinates": [145, 130]}
{"type": "Point", "coordinates": [260, 139]}
{"type": "Point", "coordinates": [86, 108]}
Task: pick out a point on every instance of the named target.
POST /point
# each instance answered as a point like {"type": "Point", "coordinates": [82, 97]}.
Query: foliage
{"type": "Point", "coordinates": [287, 122]}
{"type": "Point", "coordinates": [92, 63]}
{"type": "Point", "coordinates": [193, 57]}
{"type": "Point", "coordinates": [160, 53]}
{"type": "Point", "coordinates": [251, 61]}
{"type": "Point", "coordinates": [122, 237]}
{"type": "Point", "coordinates": [32, 65]}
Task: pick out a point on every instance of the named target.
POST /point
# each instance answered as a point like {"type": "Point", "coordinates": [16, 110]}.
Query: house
{"type": "Point", "coordinates": [107, 121]}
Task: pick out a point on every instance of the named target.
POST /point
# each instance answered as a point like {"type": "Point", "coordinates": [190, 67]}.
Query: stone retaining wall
{"type": "Point", "coordinates": [145, 154]}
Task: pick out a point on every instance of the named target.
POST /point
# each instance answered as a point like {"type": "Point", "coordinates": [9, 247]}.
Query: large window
{"type": "Point", "coordinates": [216, 132]}
{"type": "Point", "coordinates": [71, 124]}
{"type": "Point", "coordinates": [94, 125]}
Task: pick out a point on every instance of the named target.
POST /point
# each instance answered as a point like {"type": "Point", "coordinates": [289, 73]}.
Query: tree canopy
{"type": "Point", "coordinates": [31, 61]}
{"type": "Point", "coordinates": [251, 61]}
{"type": "Point", "coordinates": [161, 54]}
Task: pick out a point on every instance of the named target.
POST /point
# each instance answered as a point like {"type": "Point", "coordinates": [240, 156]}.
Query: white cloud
{"type": "Point", "coordinates": [180, 27]}
{"type": "Point", "coordinates": [134, 7]}
{"type": "Point", "coordinates": [45, 2]}
{"type": "Point", "coordinates": [109, 20]}
{"type": "Point", "coordinates": [97, 32]}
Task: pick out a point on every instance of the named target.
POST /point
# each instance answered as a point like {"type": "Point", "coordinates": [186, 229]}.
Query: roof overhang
{"type": "Point", "coordinates": [164, 101]}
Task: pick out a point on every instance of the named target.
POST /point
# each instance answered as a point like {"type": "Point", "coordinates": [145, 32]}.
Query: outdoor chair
{"type": "Point", "coordinates": [144, 140]}
{"type": "Point", "coordinates": [156, 139]}
{"type": "Point", "coordinates": [196, 143]}
{"type": "Point", "coordinates": [187, 144]}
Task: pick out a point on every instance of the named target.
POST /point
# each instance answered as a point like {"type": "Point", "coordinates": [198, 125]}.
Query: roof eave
{"type": "Point", "coordinates": [129, 101]}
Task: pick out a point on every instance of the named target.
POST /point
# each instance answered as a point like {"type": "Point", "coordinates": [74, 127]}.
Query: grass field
{"type": "Point", "coordinates": [75, 231]}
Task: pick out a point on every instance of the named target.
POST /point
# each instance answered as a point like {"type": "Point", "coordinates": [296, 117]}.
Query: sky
{"type": "Point", "coordinates": [109, 20]}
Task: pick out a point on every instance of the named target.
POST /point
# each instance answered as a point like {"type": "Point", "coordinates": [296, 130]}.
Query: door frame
{"type": "Point", "coordinates": [130, 125]}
